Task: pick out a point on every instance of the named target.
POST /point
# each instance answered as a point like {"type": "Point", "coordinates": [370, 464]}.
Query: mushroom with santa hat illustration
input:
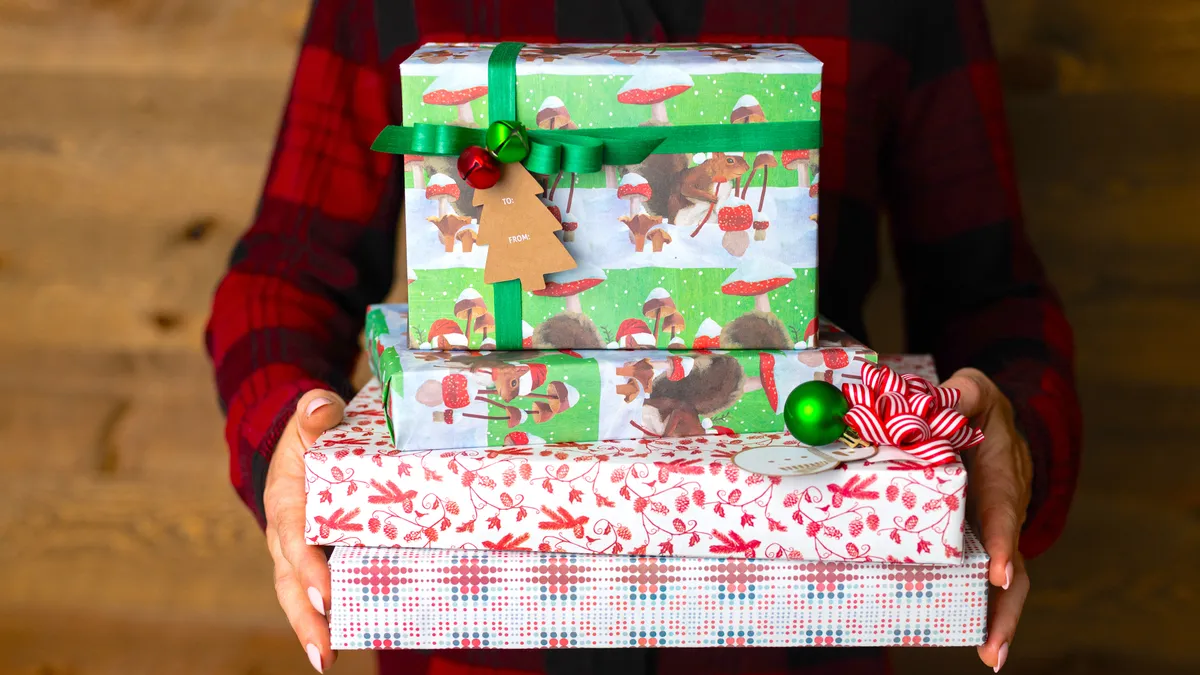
{"type": "Point", "coordinates": [708, 335]}
{"type": "Point", "coordinates": [634, 334]}
{"type": "Point", "coordinates": [522, 438]}
{"type": "Point", "coordinates": [446, 334]}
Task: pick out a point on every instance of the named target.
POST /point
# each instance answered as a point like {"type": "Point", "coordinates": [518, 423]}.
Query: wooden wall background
{"type": "Point", "coordinates": [133, 139]}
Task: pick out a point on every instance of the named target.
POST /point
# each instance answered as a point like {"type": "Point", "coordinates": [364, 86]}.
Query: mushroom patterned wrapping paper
{"type": "Point", "coordinates": [440, 400]}
{"type": "Point", "coordinates": [754, 495]}
{"type": "Point", "coordinates": [725, 242]}
{"type": "Point", "coordinates": [429, 599]}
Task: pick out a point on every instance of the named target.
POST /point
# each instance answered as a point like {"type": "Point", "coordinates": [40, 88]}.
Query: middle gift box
{"type": "Point", "coordinates": [460, 400]}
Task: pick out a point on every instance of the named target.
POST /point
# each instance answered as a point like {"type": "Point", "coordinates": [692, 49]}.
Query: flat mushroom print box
{"type": "Point", "coordinates": [751, 495]}
{"type": "Point", "coordinates": [445, 400]}
{"type": "Point", "coordinates": [430, 599]}
{"type": "Point", "coordinates": [678, 247]}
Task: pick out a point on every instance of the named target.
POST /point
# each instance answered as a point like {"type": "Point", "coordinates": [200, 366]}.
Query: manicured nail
{"type": "Point", "coordinates": [315, 405]}
{"type": "Point", "coordinates": [314, 596]}
{"type": "Point", "coordinates": [314, 657]}
{"type": "Point", "coordinates": [1001, 657]}
{"type": "Point", "coordinates": [1008, 572]}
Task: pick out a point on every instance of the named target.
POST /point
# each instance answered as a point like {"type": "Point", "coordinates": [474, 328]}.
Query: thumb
{"type": "Point", "coordinates": [975, 391]}
{"type": "Point", "coordinates": [318, 411]}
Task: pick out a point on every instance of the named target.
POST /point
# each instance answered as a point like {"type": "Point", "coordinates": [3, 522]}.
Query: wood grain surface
{"type": "Point", "coordinates": [133, 139]}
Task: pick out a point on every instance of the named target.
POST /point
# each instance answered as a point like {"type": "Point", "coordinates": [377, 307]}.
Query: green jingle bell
{"type": "Point", "coordinates": [814, 413]}
{"type": "Point", "coordinates": [508, 141]}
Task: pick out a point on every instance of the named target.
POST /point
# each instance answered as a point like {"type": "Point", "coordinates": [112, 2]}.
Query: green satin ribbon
{"type": "Point", "coordinates": [580, 151]}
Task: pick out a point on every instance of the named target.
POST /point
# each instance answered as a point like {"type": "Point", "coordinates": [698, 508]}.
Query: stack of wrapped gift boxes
{"type": "Point", "coordinates": [627, 478]}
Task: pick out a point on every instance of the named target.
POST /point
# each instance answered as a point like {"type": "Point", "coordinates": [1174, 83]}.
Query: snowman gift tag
{"type": "Point", "coordinates": [785, 459]}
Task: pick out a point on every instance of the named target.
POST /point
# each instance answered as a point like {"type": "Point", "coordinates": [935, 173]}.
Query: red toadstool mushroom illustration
{"type": "Point", "coordinates": [734, 217]}
{"type": "Point", "coordinates": [797, 160]}
{"type": "Point", "coordinates": [766, 378]}
{"type": "Point", "coordinates": [522, 438]}
{"type": "Point", "coordinates": [454, 391]}
{"type": "Point", "coordinates": [458, 88]}
{"type": "Point", "coordinates": [810, 333]}
{"type": "Point", "coordinates": [635, 334]}
{"type": "Point", "coordinates": [634, 188]}
{"type": "Point", "coordinates": [416, 164]}
{"type": "Point", "coordinates": [569, 225]}
{"type": "Point", "coordinates": [756, 279]}
{"type": "Point", "coordinates": [570, 283]}
{"type": "Point", "coordinates": [444, 190]}
{"type": "Point", "coordinates": [708, 335]}
{"type": "Point", "coordinates": [652, 87]}
{"type": "Point", "coordinates": [445, 334]}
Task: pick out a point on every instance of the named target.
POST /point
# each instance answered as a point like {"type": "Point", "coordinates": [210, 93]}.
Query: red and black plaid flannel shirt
{"type": "Point", "coordinates": [914, 128]}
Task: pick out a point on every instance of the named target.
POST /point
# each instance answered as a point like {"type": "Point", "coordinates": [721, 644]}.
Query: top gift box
{"type": "Point", "coordinates": [695, 241]}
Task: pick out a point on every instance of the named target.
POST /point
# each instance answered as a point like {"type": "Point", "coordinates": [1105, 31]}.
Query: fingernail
{"type": "Point", "coordinates": [315, 405]}
{"type": "Point", "coordinates": [1008, 572]}
{"type": "Point", "coordinates": [314, 657]}
{"type": "Point", "coordinates": [1001, 657]}
{"type": "Point", "coordinates": [314, 596]}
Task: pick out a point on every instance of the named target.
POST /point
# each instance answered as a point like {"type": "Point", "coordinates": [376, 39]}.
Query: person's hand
{"type": "Point", "coordinates": [301, 571]}
{"type": "Point", "coordinates": [998, 487]}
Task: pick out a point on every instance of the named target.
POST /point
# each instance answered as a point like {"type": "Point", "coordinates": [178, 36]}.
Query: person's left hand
{"type": "Point", "coordinates": [998, 488]}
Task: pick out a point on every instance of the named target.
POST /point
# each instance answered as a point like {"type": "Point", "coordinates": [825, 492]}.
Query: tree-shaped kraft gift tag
{"type": "Point", "coordinates": [519, 230]}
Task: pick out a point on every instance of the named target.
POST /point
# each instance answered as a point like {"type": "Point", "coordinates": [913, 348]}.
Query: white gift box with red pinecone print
{"type": "Point", "coordinates": [753, 495]}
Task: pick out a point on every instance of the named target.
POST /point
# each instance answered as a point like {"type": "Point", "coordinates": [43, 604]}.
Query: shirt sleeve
{"type": "Point", "coordinates": [287, 314]}
{"type": "Point", "coordinates": [975, 292]}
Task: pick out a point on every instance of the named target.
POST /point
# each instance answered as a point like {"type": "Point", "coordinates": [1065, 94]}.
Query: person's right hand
{"type": "Point", "coordinates": [301, 571]}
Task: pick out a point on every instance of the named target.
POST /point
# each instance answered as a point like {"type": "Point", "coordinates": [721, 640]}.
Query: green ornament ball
{"type": "Point", "coordinates": [508, 141]}
{"type": "Point", "coordinates": [814, 413]}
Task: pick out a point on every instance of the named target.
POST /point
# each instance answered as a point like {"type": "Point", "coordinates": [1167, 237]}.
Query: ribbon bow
{"type": "Point", "coordinates": [907, 412]}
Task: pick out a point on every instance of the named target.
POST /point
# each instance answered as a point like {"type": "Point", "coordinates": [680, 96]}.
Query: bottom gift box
{"type": "Point", "coordinates": [397, 598]}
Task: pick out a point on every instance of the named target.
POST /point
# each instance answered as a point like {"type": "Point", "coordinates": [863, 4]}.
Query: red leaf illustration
{"type": "Point", "coordinates": [617, 548]}
{"type": "Point", "coordinates": [444, 524]}
{"type": "Point", "coordinates": [430, 474]}
{"type": "Point", "coordinates": [560, 519]}
{"type": "Point", "coordinates": [798, 517]}
{"type": "Point", "coordinates": [666, 548]}
{"type": "Point", "coordinates": [732, 543]}
{"type": "Point", "coordinates": [747, 520]}
{"type": "Point", "coordinates": [468, 526]}
{"type": "Point", "coordinates": [624, 492]}
{"type": "Point", "coordinates": [895, 535]}
{"type": "Point", "coordinates": [694, 539]}
{"type": "Point", "coordinates": [351, 489]}
{"type": "Point", "coordinates": [326, 496]}
{"type": "Point", "coordinates": [775, 526]}
{"type": "Point", "coordinates": [641, 550]}
{"type": "Point", "coordinates": [922, 546]}
{"type": "Point", "coordinates": [508, 543]}
{"type": "Point", "coordinates": [453, 466]}
{"type": "Point", "coordinates": [493, 523]}
{"type": "Point", "coordinates": [719, 510]}
{"type": "Point", "coordinates": [378, 460]}
{"type": "Point", "coordinates": [404, 469]}
{"type": "Point", "coordinates": [602, 501]}
{"type": "Point", "coordinates": [521, 513]}
{"type": "Point", "coordinates": [575, 495]}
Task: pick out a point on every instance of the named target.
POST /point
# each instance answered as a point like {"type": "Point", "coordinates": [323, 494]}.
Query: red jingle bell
{"type": "Point", "coordinates": [479, 168]}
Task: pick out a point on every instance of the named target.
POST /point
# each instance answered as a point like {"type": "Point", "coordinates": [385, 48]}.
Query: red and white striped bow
{"type": "Point", "coordinates": [907, 412]}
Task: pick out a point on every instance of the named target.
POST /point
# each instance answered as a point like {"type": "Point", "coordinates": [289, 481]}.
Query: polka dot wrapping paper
{"type": "Point", "coordinates": [397, 598]}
